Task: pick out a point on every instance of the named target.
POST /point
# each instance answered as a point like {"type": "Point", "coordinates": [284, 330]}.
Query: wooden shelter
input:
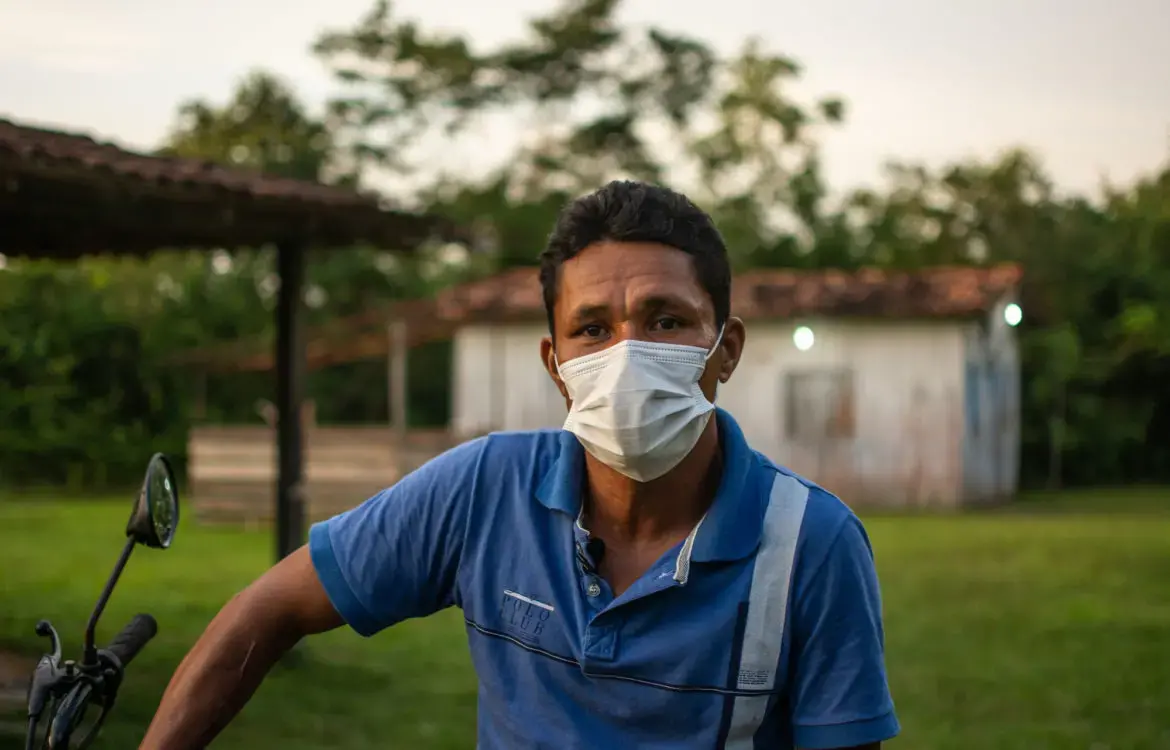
{"type": "Point", "coordinates": [65, 195]}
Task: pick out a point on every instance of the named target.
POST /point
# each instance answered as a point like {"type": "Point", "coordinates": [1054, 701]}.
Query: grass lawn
{"type": "Point", "coordinates": [1041, 627]}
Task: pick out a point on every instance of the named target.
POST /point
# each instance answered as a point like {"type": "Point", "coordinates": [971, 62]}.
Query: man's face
{"type": "Point", "coordinates": [614, 291]}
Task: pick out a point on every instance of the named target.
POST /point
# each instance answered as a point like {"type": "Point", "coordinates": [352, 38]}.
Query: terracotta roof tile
{"type": "Point", "coordinates": [945, 292]}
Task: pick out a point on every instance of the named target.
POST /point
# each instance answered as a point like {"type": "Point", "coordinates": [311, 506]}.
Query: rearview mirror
{"type": "Point", "coordinates": [156, 511]}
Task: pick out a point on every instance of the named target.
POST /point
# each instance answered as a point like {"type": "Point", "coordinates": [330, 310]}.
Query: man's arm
{"type": "Point", "coordinates": [237, 650]}
{"type": "Point", "coordinates": [394, 556]}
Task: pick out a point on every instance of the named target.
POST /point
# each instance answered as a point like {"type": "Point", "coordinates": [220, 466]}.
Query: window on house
{"type": "Point", "coordinates": [819, 405]}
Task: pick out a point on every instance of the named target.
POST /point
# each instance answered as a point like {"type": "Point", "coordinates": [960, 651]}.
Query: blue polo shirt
{"type": "Point", "coordinates": [762, 629]}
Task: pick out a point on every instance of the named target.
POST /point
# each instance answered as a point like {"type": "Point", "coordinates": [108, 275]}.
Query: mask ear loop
{"type": "Point", "coordinates": [718, 341]}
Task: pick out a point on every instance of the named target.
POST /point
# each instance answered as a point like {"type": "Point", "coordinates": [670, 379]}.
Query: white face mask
{"type": "Point", "coordinates": [637, 406]}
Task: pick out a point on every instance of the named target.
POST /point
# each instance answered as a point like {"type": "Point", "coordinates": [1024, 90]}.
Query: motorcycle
{"type": "Point", "coordinates": [64, 692]}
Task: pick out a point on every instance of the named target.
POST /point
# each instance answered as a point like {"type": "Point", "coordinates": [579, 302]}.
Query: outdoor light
{"type": "Point", "coordinates": [1012, 314]}
{"type": "Point", "coordinates": [803, 338]}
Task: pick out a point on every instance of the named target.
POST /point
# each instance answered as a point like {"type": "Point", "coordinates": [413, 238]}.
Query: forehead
{"type": "Point", "coordinates": [609, 273]}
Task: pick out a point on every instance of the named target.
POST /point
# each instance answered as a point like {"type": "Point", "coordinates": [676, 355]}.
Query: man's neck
{"type": "Point", "coordinates": [619, 509]}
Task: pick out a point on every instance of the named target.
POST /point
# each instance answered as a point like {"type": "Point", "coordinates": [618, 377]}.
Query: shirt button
{"type": "Point", "coordinates": [594, 589]}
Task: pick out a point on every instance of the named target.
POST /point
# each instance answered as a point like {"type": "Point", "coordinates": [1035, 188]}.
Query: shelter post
{"type": "Point", "coordinates": [398, 390]}
{"type": "Point", "coordinates": [290, 386]}
{"type": "Point", "coordinates": [201, 378]}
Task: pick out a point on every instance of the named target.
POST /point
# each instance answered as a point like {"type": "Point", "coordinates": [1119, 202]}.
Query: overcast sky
{"type": "Point", "coordinates": [1084, 83]}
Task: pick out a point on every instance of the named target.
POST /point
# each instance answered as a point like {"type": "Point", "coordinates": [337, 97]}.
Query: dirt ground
{"type": "Point", "coordinates": [15, 670]}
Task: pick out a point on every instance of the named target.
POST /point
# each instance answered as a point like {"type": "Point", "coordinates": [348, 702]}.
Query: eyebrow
{"type": "Point", "coordinates": [586, 313]}
{"type": "Point", "coordinates": [659, 301]}
{"type": "Point", "coordinates": [647, 305]}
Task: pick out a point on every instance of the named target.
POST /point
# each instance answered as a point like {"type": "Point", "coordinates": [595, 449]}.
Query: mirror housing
{"type": "Point", "coordinates": [156, 511]}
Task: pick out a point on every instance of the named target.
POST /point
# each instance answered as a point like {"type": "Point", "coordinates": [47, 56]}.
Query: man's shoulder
{"type": "Point", "coordinates": [527, 453]}
{"type": "Point", "coordinates": [826, 517]}
{"type": "Point", "coordinates": [535, 447]}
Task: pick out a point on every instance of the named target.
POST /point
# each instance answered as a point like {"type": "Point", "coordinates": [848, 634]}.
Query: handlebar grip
{"type": "Point", "coordinates": [133, 638]}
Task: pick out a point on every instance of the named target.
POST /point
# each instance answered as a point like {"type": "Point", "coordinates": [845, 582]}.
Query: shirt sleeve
{"type": "Point", "coordinates": [840, 695]}
{"type": "Point", "coordinates": [397, 555]}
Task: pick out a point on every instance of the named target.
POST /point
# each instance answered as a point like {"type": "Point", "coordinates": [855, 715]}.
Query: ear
{"type": "Point", "coordinates": [731, 348]}
{"type": "Point", "coordinates": [549, 359]}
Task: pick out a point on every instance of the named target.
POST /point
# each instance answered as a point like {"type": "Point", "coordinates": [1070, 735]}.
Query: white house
{"type": "Point", "coordinates": [898, 389]}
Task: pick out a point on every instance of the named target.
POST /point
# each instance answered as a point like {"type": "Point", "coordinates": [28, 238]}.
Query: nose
{"type": "Point", "coordinates": [632, 330]}
{"type": "Point", "coordinates": [625, 331]}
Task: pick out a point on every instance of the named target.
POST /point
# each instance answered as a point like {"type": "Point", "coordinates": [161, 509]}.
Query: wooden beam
{"type": "Point", "coordinates": [399, 346]}
{"type": "Point", "coordinates": [201, 377]}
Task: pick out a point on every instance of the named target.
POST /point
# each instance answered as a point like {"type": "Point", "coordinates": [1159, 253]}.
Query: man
{"type": "Point", "coordinates": [640, 579]}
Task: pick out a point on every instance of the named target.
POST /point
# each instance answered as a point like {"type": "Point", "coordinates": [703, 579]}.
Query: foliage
{"type": "Point", "coordinates": [264, 128]}
{"type": "Point", "coordinates": [597, 101]}
{"type": "Point", "coordinates": [83, 384]}
{"type": "Point", "coordinates": [84, 387]}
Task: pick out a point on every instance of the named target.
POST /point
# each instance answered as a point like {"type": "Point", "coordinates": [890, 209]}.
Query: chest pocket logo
{"type": "Point", "coordinates": [523, 616]}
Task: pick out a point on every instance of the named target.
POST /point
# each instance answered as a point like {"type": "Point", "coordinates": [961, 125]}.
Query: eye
{"type": "Point", "coordinates": [667, 324]}
{"type": "Point", "coordinates": [592, 331]}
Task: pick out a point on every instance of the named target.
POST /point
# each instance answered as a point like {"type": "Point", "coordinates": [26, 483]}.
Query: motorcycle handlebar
{"type": "Point", "coordinates": [133, 638]}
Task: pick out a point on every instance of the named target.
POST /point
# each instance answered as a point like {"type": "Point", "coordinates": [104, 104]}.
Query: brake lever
{"type": "Point", "coordinates": [47, 673]}
{"type": "Point", "coordinates": [74, 687]}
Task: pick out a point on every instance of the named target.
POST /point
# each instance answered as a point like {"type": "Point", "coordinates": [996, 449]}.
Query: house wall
{"type": "Point", "coordinates": [899, 435]}
{"type": "Point", "coordinates": [903, 444]}
{"type": "Point", "coordinates": [499, 383]}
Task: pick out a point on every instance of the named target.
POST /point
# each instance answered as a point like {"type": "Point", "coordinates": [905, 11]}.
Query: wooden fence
{"type": "Point", "coordinates": [232, 470]}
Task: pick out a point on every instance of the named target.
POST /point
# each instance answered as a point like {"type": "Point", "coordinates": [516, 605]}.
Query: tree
{"type": "Point", "coordinates": [760, 165]}
{"type": "Point", "coordinates": [263, 127]}
{"type": "Point", "coordinates": [596, 102]}
{"type": "Point", "coordinates": [581, 86]}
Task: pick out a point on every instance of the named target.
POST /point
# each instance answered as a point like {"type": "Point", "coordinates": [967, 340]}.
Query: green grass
{"type": "Point", "coordinates": [1040, 626]}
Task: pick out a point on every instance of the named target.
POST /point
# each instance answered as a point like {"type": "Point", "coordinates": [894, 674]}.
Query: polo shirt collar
{"type": "Point", "coordinates": [730, 530]}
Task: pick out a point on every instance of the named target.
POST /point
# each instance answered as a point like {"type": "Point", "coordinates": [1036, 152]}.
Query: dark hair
{"type": "Point", "coordinates": [625, 211]}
